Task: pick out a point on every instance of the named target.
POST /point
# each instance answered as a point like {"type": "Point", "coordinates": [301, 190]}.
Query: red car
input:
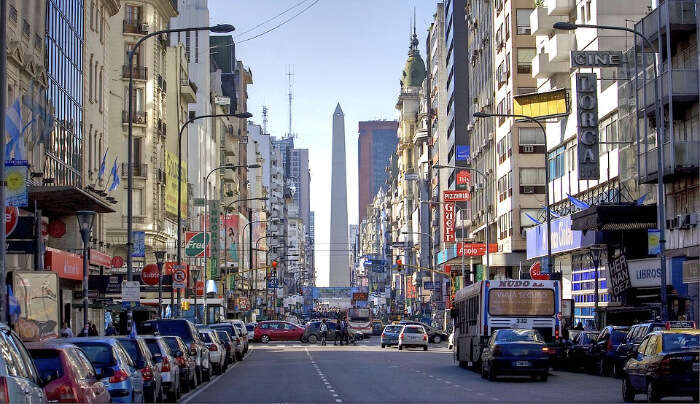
{"type": "Point", "coordinates": [70, 375]}
{"type": "Point", "coordinates": [266, 331]}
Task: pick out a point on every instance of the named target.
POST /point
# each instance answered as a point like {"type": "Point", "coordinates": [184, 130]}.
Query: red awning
{"type": "Point", "coordinates": [65, 264]}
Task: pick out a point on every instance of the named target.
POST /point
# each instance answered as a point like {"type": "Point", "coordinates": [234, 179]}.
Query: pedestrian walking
{"type": "Point", "coordinates": [66, 331]}
{"type": "Point", "coordinates": [324, 332]}
{"type": "Point", "coordinates": [346, 331]}
{"type": "Point", "coordinates": [110, 329]}
{"type": "Point", "coordinates": [338, 332]}
{"type": "Point", "coordinates": [92, 331]}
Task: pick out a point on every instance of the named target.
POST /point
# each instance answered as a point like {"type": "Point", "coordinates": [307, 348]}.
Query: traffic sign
{"type": "Point", "coordinates": [150, 275]}
{"type": "Point", "coordinates": [179, 277]}
{"type": "Point", "coordinates": [11, 218]}
{"type": "Point", "coordinates": [131, 291]}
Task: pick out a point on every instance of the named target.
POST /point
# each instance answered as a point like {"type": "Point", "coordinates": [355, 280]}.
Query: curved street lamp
{"type": "Point", "coordinates": [86, 219]}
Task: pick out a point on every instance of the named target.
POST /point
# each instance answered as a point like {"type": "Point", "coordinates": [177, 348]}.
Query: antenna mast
{"type": "Point", "coordinates": [290, 74]}
{"type": "Point", "coordinates": [264, 114]}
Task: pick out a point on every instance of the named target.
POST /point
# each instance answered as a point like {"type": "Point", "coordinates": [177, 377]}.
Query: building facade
{"type": "Point", "coordinates": [375, 143]}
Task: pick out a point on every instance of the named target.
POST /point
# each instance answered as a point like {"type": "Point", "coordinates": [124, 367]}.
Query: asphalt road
{"type": "Point", "coordinates": [303, 373]}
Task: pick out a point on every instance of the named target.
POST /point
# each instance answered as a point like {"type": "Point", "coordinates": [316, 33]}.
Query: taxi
{"type": "Point", "coordinates": [665, 364]}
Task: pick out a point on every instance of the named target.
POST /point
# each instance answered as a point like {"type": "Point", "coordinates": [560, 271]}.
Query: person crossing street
{"type": "Point", "coordinates": [324, 331]}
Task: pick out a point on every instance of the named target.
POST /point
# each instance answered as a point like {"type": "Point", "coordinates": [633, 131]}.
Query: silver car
{"type": "Point", "coordinates": [165, 361]}
{"type": "Point", "coordinates": [217, 352]}
{"type": "Point", "coordinates": [22, 381]}
{"type": "Point", "coordinates": [245, 337]}
{"type": "Point", "coordinates": [413, 335]}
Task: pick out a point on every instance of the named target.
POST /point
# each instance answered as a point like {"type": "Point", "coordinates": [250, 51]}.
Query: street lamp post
{"type": "Point", "coordinates": [250, 246]}
{"type": "Point", "coordinates": [221, 28]}
{"type": "Point", "coordinates": [243, 115]}
{"type": "Point", "coordinates": [160, 259]}
{"type": "Point", "coordinates": [195, 277]}
{"type": "Point", "coordinates": [488, 205]}
{"type": "Point", "coordinates": [430, 261]}
{"type": "Point", "coordinates": [86, 218]}
{"type": "Point", "coordinates": [660, 138]}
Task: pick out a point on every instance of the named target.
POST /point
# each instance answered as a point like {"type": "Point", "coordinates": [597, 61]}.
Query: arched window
{"type": "Point", "coordinates": [90, 79]}
{"type": "Point", "coordinates": [100, 93]}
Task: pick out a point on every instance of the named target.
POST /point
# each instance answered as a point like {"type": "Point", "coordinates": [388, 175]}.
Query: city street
{"type": "Point", "coordinates": [295, 372]}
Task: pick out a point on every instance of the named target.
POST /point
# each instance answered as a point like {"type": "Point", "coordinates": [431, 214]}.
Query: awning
{"type": "Point", "coordinates": [615, 218]}
{"type": "Point", "coordinates": [66, 200]}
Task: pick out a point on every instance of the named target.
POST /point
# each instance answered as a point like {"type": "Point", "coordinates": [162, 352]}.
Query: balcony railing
{"type": "Point", "coordinates": [677, 14]}
{"type": "Point", "coordinates": [134, 27]}
{"type": "Point", "coordinates": [139, 170]}
{"type": "Point", "coordinates": [684, 87]}
{"type": "Point", "coordinates": [137, 72]}
{"type": "Point", "coordinates": [679, 158]}
{"type": "Point", "coordinates": [139, 117]}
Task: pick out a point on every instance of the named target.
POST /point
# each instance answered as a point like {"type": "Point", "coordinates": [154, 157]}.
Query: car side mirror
{"type": "Point", "coordinates": [104, 372]}
{"type": "Point", "coordinates": [48, 376]}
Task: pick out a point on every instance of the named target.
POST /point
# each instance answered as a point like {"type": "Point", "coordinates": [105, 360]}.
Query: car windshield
{"type": "Point", "coordinates": [223, 336]}
{"type": "Point", "coordinates": [47, 360]}
{"type": "Point", "coordinates": [132, 348]}
{"type": "Point", "coordinates": [413, 330]}
{"type": "Point", "coordinates": [178, 328]}
{"type": "Point", "coordinates": [153, 346]}
{"type": "Point", "coordinates": [618, 337]}
{"type": "Point", "coordinates": [679, 341]}
{"type": "Point", "coordinates": [205, 337]}
{"type": "Point", "coordinates": [518, 336]}
{"type": "Point", "coordinates": [172, 343]}
{"type": "Point", "coordinates": [393, 328]}
{"type": "Point", "coordinates": [99, 354]}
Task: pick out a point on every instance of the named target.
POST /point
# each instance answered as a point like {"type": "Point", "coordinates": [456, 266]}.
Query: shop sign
{"type": "Point", "coordinates": [646, 273]}
{"type": "Point", "coordinates": [653, 241]}
{"type": "Point", "coordinates": [475, 249]}
{"type": "Point", "coordinates": [619, 276]}
{"type": "Point", "coordinates": [11, 219]}
{"type": "Point", "coordinates": [65, 264]}
{"type": "Point", "coordinates": [448, 222]}
{"type": "Point", "coordinates": [117, 262]}
{"type": "Point", "coordinates": [606, 58]}
{"type": "Point", "coordinates": [195, 244]}
{"type": "Point", "coordinates": [563, 238]}
{"type": "Point", "coordinates": [587, 125]}
{"type": "Point", "coordinates": [37, 292]}
{"type": "Point", "coordinates": [99, 258]}
{"type": "Point", "coordinates": [150, 274]}
{"type": "Point", "coordinates": [456, 196]}
{"type": "Point", "coordinates": [464, 177]}
{"type": "Point", "coordinates": [462, 152]}
{"type": "Point", "coordinates": [214, 229]}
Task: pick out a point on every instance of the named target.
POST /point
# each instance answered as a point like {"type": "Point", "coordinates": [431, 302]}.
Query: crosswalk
{"type": "Point", "coordinates": [366, 345]}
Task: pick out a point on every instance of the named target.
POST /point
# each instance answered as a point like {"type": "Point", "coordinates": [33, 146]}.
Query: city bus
{"type": "Point", "coordinates": [360, 320]}
{"type": "Point", "coordinates": [486, 306]}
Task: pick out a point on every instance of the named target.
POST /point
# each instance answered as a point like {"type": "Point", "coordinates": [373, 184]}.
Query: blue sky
{"type": "Point", "coordinates": [347, 51]}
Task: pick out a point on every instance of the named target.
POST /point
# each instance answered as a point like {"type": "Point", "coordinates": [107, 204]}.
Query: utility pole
{"type": "Point", "coordinates": [3, 108]}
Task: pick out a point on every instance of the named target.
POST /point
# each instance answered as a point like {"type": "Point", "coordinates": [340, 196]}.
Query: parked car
{"type": "Point", "coordinates": [114, 367]}
{"type": "Point", "coordinates": [390, 335]}
{"type": "Point", "coordinates": [250, 327]}
{"type": "Point", "coordinates": [185, 362]}
{"type": "Point", "coordinates": [190, 336]}
{"type": "Point", "coordinates": [413, 335]}
{"type": "Point", "coordinates": [229, 347]}
{"type": "Point", "coordinates": [377, 327]}
{"type": "Point", "coordinates": [152, 379]}
{"type": "Point", "coordinates": [20, 381]}
{"type": "Point", "coordinates": [435, 335]}
{"type": "Point", "coordinates": [235, 331]}
{"type": "Point", "coordinates": [266, 331]}
{"type": "Point", "coordinates": [577, 351]}
{"type": "Point", "coordinates": [245, 335]}
{"type": "Point", "coordinates": [515, 352]}
{"type": "Point", "coordinates": [164, 360]}
{"type": "Point", "coordinates": [312, 332]}
{"type": "Point", "coordinates": [603, 354]}
{"type": "Point", "coordinates": [451, 340]}
{"type": "Point", "coordinates": [217, 352]}
{"type": "Point", "coordinates": [67, 373]}
{"type": "Point", "coordinates": [238, 340]}
{"type": "Point", "coordinates": [666, 364]}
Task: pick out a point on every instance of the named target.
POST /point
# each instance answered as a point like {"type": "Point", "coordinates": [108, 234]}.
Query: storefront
{"type": "Point", "coordinates": [69, 268]}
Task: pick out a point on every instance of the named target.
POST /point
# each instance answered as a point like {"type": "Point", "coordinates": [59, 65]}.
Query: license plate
{"type": "Point", "coordinates": [696, 366]}
{"type": "Point", "coordinates": [522, 363]}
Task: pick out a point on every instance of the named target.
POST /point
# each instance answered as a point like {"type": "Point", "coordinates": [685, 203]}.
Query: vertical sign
{"type": "Point", "coordinates": [448, 221]}
{"type": "Point", "coordinates": [139, 249]}
{"type": "Point", "coordinates": [16, 180]}
{"type": "Point", "coordinates": [214, 228]}
{"type": "Point", "coordinates": [653, 241]}
{"type": "Point", "coordinates": [587, 126]}
{"type": "Point", "coordinates": [619, 276]}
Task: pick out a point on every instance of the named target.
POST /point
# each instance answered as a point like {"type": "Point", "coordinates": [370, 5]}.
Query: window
{"type": "Point", "coordinates": [138, 201]}
{"type": "Point", "coordinates": [505, 225]}
{"type": "Point", "coordinates": [525, 56]}
{"type": "Point", "coordinates": [571, 157]}
{"type": "Point", "coordinates": [100, 92]}
{"type": "Point", "coordinates": [530, 136]}
{"type": "Point", "coordinates": [525, 90]}
{"type": "Point", "coordinates": [556, 163]}
{"type": "Point", "coordinates": [505, 186]}
{"type": "Point", "coordinates": [137, 100]}
{"type": "Point", "coordinates": [132, 14]}
{"type": "Point", "coordinates": [499, 38]}
{"type": "Point", "coordinates": [532, 176]}
{"type": "Point", "coordinates": [523, 21]}
{"type": "Point", "coordinates": [196, 46]}
{"type": "Point", "coordinates": [26, 29]}
{"type": "Point", "coordinates": [92, 14]}
{"type": "Point", "coordinates": [507, 26]}
{"type": "Point", "coordinates": [12, 14]}
{"type": "Point", "coordinates": [187, 46]}
{"type": "Point", "coordinates": [588, 11]}
{"type": "Point", "coordinates": [90, 78]}
{"type": "Point", "coordinates": [607, 132]}
{"type": "Point", "coordinates": [137, 55]}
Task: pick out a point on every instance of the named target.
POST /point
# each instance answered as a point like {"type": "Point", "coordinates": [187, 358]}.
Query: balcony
{"type": "Point", "coordinates": [559, 46]}
{"type": "Point", "coordinates": [139, 117]}
{"type": "Point", "coordinates": [541, 22]}
{"type": "Point", "coordinates": [188, 91]}
{"type": "Point", "coordinates": [543, 68]}
{"type": "Point", "coordinates": [683, 86]}
{"type": "Point", "coordinates": [139, 170]}
{"type": "Point", "coordinates": [131, 27]}
{"type": "Point", "coordinates": [137, 72]}
{"type": "Point", "coordinates": [677, 15]}
{"type": "Point", "coordinates": [680, 158]}
{"type": "Point", "coordinates": [560, 7]}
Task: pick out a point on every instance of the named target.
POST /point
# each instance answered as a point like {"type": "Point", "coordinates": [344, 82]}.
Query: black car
{"type": "Point", "coordinates": [515, 352]}
{"type": "Point", "coordinates": [577, 351]}
{"type": "Point", "coordinates": [665, 364]}
{"type": "Point", "coordinates": [312, 332]}
{"type": "Point", "coordinates": [434, 335]}
{"type": "Point", "coordinates": [603, 354]}
{"type": "Point", "coordinates": [627, 349]}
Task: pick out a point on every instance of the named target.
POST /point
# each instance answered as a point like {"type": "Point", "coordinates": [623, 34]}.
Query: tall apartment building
{"type": "Point", "coordinates": [300, 177]}
{"type": "Point", "coordinates": [375, 143]}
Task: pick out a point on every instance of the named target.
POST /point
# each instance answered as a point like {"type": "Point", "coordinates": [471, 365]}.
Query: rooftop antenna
{"type": "Point", "coordinates": [290, 74]}
{"type": "Point", "coordinates": [264, 114]}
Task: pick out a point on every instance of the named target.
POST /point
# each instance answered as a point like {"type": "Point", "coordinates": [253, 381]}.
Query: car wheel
{"type": "Point", "coordinates": [627, 391]}
{"type": "Point", "coordinates": [437, 339]}
{"type": "Point", "coordinates": [312, 339]}
{"type": "Point", "coordinates": [400, 347]}
{"type": "Point", "coordinates": [425, 348]}
{"type": "Point", "coordinates": [492, 374]}
{"type": "Point", "coordinates": [653, 395]}
{"type": "Point", "coordinates": [265, 339]}
{"type": "Point", "coordinates": [239, 356]}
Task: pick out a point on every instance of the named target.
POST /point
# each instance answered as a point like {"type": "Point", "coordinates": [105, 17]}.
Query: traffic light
{"type": "Point", "coordinates": [185, 305]}
{"type": "Point", "coordinates": [399, 265]}
{"type": "Point", "coordinates": [274, 268]}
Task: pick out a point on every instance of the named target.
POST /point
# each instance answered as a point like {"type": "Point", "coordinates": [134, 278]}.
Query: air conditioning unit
{"type": "Point", "coordinates": [674, 223]}
{"type": "Point", "coordinates": [693, 219]}
{"type": "Point", "coordinates": [143, 27]}
{"type": "Point", "coordinates": [683, 221]}
{"type": "Point", "coordinates": [528, 189]}
{"type": "Point", "coordinates": [527, 149]}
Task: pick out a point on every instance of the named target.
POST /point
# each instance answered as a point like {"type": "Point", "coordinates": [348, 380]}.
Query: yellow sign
{"type": "Point", "coordinates": [549, 104]}
{"type": "Point", "coordinates": [171, 185]}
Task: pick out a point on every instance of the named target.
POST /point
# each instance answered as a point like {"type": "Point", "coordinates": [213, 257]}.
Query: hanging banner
{"type": "Point", "coordinates": [214, 230]}
{"type": "Point", "coordinates": [587, 126]}
{"type": "Point", "coordinates": [171, 185]}
{"type": "Point", "coordinates": [619, 276]}
{"type": "Point", "coordinates": [139, 249]}
{"type": "Point", "coordinates": [448, 221]}
{"type": "Point", "coordinates": [16, 179]}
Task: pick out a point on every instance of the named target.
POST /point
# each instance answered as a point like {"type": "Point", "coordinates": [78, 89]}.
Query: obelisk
{"type": "Point", "coordinates": [339, 269]}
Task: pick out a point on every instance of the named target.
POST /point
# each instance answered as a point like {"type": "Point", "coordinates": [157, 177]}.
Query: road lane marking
{"type": "Point", "coordinates": [211, 382]}
{"type": "Point", "coordinates": [323, 378]}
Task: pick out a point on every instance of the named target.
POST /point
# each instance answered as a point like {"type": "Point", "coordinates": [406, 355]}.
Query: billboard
{"type": "Point", "coordinates": [448, 220]}
{"type": "Point", "coordinates": [549, 104]}
{"type": "Point", "coordinates": [195, 245]}
{"type": "Point", "coordinates": [171, 185]}
{"type": "Point", "coordinates": [37, 296]}
{"type": "Point", "coordinates": [587, 125]}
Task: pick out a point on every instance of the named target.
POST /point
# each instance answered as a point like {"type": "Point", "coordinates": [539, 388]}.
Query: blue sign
{"type": "Point", "coordinates": [563, 238]}
{"type": "Point", "coordinates": [428, 285]}
{"type": "Point", "coordinates": [272, 283]}
{"type": "Point", "coordinates": [462, 152]}
{"type": "Point", "coordinates": [447, 254]}
{"type": "Point", "coordinates": [139, 249]}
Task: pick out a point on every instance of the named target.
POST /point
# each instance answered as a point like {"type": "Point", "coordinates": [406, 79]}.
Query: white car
{"type": "Point", "coordinates": [413, 335]}
{"type": "Point", "coordinates": [451, 341]}
{"type": "Point", "coordinates": [165, 360]}
{"type": "Point", "coordinates": [217, 352]}
{"type": "Point", "coordinates": [245, 337]}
